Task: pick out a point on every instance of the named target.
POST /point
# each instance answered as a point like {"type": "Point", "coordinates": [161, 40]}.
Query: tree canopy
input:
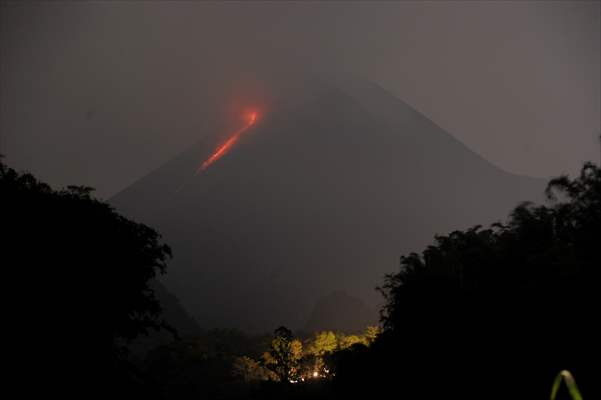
{"type": "Point", "coordinates": [79, 276]}
{"type": "Point", "coordinates": [284, 355]}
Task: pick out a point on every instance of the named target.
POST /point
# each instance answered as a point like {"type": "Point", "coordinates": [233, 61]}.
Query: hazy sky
{"type": "Point", "coordinates": [100, 93]}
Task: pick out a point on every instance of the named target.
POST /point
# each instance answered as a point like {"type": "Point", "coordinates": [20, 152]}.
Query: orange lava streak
{"type": "Point", "coordinates": [225, 147]}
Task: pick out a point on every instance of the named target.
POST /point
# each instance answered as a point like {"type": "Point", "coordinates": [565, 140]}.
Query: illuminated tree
{"type": "Point", "coordinates": [284, 355]}
{"type": "Point", "coordinates": [346, 341]}
{"type": "Point", "coordinates": [323, 343]}
{"type": "Point", "coordinates": [371, 333]}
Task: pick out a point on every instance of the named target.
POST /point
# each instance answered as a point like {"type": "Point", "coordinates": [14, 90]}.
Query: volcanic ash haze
{"type": "Point", "coordinates": [321, 193]}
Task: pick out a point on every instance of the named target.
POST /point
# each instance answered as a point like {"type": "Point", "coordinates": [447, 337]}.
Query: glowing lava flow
{"type": "Point", "coordinates": [225, 147]}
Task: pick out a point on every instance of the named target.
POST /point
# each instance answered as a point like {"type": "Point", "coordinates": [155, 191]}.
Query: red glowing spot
{"type": "Point", "coordinates": [251, 118]}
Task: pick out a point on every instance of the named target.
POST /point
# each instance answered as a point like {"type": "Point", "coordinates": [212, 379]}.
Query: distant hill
{"type": "Point", "coordinates": [175, 315]}
{"type": "Point", "coordinates": [331, 313]}
{"type": "Point", "coordinates": [331, 185]}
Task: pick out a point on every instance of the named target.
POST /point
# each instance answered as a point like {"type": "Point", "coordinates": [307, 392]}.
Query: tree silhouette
{"type": "Point", "coordinates": [79, 280]}
{"type": "Point", "coordinates": [477, 309]}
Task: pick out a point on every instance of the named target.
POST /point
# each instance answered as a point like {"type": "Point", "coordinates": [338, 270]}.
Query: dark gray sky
{"type": "Point", "coordinates": [100, 93]}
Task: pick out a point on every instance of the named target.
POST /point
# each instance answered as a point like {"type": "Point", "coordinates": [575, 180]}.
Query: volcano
{"type": "Point", "coordinates": [320, 194]}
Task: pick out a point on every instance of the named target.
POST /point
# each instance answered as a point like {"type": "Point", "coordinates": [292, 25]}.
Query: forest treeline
{"type": "Point", "coordinates": [294, 360]}
{"type": "Point", "coordinates": [488, 312]}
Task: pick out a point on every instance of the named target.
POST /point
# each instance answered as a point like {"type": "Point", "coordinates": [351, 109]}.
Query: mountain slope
{"type": "Point", "coordinates": [325, 191]}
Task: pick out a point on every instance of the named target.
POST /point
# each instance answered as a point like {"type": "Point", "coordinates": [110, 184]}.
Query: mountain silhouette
{"type": "Point", "coordinates": [326, 190]}
{"type": "Point", "coordinates": [174, 314]}
{"type": "Point", "coordinates": [330, 314]}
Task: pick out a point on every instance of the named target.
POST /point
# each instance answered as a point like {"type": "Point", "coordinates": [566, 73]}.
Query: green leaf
{"type": "Point", "coordinates": [566, 376]}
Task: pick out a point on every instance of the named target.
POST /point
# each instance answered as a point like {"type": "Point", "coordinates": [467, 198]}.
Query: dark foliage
{"type": "Point", "coordinates": [78, 276]}
{"type": "Point", "coordinates": [494, 313]}
{"type": "Point", "coordinates": [202, 367]}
